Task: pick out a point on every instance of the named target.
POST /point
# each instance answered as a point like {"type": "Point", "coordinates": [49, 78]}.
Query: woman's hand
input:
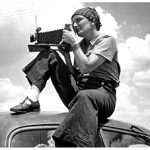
{"type": "Point", "coordinates": [69, 37]}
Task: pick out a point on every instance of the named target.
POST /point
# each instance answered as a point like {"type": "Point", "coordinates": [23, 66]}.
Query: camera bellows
{"type": "Point", "coordinates": [50, 37]}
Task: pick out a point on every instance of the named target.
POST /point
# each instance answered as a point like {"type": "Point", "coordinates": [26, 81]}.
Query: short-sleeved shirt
{"type": "Point", "coordinates": [104, 45]}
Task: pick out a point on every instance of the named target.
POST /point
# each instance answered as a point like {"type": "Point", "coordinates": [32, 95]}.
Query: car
{"type": "Point", "coordinates": [35, 129]}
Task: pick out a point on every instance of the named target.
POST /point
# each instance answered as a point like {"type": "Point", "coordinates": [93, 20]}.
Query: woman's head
{"type": "Point", "coordinates": [91, 14]}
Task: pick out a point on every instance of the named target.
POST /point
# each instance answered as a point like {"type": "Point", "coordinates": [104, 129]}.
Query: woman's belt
{"type": "Point", "coordinates": [93, 83]}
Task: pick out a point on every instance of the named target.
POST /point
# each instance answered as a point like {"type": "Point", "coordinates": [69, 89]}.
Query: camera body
{"type": "Point", "coordinates": [68, 27]}
{"type": "Point", "coordinates": [48, 39]}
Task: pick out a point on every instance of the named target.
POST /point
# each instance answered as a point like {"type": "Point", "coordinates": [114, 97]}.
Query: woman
{"type": "Point", "coordinates": [92, 97]}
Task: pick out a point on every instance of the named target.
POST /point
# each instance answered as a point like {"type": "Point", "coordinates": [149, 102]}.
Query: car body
{"type": "Point", "coordinates": [35, 129]}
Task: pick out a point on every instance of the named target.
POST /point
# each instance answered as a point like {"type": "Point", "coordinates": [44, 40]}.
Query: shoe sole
{"type": "Point", "coordinates": [21, 111]}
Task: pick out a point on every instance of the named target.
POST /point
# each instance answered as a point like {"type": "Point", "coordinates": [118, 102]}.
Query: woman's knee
{"type": "Point", "coordinates": [84, 97]}
{"type": "Point", "coordinates": [81, 97]}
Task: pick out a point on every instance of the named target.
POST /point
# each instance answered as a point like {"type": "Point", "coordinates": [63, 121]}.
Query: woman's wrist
{"type": "Point", "coordinates": [75, 46]}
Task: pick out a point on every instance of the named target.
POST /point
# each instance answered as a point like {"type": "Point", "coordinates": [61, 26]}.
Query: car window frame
{"type": "Point", "coordinates": [28, 128]}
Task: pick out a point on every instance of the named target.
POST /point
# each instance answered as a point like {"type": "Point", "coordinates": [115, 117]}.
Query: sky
{"type": "Point", "coordinates": [128, 22]}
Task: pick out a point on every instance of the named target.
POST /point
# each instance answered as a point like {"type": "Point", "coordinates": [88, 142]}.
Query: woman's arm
{"type": "Point", "coordinates": [86, 63]}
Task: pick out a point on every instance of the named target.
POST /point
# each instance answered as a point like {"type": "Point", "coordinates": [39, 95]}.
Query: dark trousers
{"type": "Point", "coordinates": [87, 107]}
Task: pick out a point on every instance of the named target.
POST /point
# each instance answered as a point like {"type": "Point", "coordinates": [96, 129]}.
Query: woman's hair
{"type": "Point", "coordinates": [91, 14]}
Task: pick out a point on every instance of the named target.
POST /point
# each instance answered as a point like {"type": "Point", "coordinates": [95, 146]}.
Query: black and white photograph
{"type": "Point", "coordinates": [74, 73]}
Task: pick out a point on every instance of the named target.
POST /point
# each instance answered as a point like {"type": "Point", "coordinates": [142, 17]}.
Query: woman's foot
{"type": "Point", "coordinates": [25, 107]}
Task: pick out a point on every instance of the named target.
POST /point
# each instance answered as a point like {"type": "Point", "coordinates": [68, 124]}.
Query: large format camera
{"type": "Point", "coordinates": [48, 40]}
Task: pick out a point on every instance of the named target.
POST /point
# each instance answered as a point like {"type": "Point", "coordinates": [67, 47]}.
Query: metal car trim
{"type": "Point", "coordinates": [125, 130]}
{"type": "Point", "coordinates": [24, 128]}
{"type": "Point", "coordinates": [103, 138]}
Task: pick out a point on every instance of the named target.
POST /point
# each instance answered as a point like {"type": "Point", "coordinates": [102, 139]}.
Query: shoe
{"type": "Point", "coordinates": [23, 107]}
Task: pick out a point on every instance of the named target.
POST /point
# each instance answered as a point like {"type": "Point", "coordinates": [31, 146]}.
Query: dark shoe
{"type": "Point", "coordinates": [23, 107]}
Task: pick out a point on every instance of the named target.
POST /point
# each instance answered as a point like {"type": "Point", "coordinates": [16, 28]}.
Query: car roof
{"type": "Point", "coordinates": [31, 118]}
{"type": "Point", "coordinates": [14, 120]}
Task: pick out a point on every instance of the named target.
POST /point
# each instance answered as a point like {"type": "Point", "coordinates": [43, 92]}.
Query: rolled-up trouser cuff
{"type": "Point", "coordinates": [75, 137]}
{"type": "Point", "coordinates": [40, 83]}
{"type": "Point", "coordinates": [38, 71]}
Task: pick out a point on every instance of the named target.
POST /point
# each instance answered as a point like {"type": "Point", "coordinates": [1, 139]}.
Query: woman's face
{"type": "Point", "coordinates": [81, 24]}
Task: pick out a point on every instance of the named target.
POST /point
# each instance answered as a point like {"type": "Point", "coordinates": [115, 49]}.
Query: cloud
{"type": "Point", "coordinates": [109, 24]}
{"type": "Point", "coordinates": [11, 95]}
{"type": "Point", "coordinates": [6, 86]}
{"type": "Point", "coordinates": [142, 79]}
{"type": "Point", "coordinates": [134, 54]}
{"type": "Point", "coordinates": [124, 105]}
{"type": "Point", "coordinates": [133, 93]}
{"type": "Point", "coordinates": [14, 40]}
{"type": "Point", "coordinates": [131, 106]}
